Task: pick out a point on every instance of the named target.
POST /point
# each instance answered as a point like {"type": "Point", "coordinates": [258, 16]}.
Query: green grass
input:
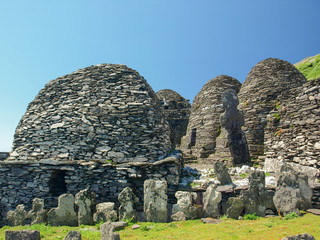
{"type": "Point", "coordinates": [262, 228]}
{"type": "Point", "coordinates": [310, 68]}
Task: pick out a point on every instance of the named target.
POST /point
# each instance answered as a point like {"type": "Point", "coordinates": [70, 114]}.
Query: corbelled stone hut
{"type": "Point", "coordinates": [177, 111]}
{"type": "Point", "coordinates": [268, 82]}
{"type": "Point", "coordinates": [204, 123]}
{"type": "Point", "coordinates": [101, 127]}
{"type": "Point", "coordinates": [103, 112]}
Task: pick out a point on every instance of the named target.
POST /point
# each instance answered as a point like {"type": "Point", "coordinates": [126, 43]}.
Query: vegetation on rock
{"type": "Point", "coordinates": [310, 67]}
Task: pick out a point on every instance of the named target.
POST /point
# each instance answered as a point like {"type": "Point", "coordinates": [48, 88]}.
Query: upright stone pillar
{"type": "Point", "coordinates": [155, 200]}
{"type": "Point", "coordinates": [84, 200]}
{"type": "Point", "coordinates": [232, 120]}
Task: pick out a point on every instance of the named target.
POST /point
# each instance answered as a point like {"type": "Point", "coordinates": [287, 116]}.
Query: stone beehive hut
{"type": "Point", "coordinates": [177, 111]}
{"type": "Point", "coordinates": [104, 112]}
{"type": "Point", "coordinates": [268, 82]}
{"type": "Point", "coordinates": [204, 123]}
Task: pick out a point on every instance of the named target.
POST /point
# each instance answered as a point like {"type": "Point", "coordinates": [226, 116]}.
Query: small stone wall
{"type": "Point", "coordinates": [293, 130]}
{"type": "Point", "coordinates": [20, 181]}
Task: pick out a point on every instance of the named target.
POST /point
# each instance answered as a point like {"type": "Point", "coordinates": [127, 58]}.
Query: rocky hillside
{"type": "Point", "coordinates": [310, 67]}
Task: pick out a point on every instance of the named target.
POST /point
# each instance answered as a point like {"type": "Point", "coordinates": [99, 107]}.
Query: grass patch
{"type": "Point", "coordinates": [291, 215]}
{"type": "Point", "coordinates": [310, 68]}
{"type": "Point", "coordinates": [250, 217]}
{"type": "Point", "coordinates": [262, 228]}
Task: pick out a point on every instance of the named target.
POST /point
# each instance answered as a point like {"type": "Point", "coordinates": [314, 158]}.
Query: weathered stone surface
{"type": "Point", "coordinates": [204, 123]}
{"type": "Point", "coordinates": [155, 200]}
{"type": "Point", "coordinates": [107, 111]}
{"type": "Point", "coordinates": [256, 199]}
{"type": "Point", "coordinates": [179, 216]}
{"type": "Point", "coordinates": [293, 192]}
{"type": "Point", "coordinates": [314, 211]}
{"type": "Point", "coordinates": [236, 207]}
{"type": "Point", "coordinates": [304, 236]}
{"type": "Point", "coordinates": [177, 111]}
{"type": "Point", "coordinates": [232, 120]}
{"type": "Point", "coordinates": [211, 201]}
{"type": "Point", "coordinates": [84, 200]}
{"type": "Point", "coordinates": [73, 235]}
{"type": "Point", "coordinates": [105, 212]}
{"type": "Point", "coordinates": [127, 201]}
{"type": "Point", "coordinates": [186, 204]}
{"type": "Point", "coordinates": [18, 216]}
{"type": "Point", "coordinates": [268, 82]}
{"type": "Point", "coordinates": [135, 226]}
{"type": "Point", "coordinates": [107, 232]}
{"type": "Point", "coordinates": [292, 132]}
{"type": "Point", "coordinates": [38, 214]}
{"type": "Point", "coordinates": [64, 214]}
{"type": "Point", "coordinates": [119, 225]}
{"type": "Point", "coordinates": [23, 235]}
{"type": "Point", "coordinates": [211, 220]}
{"type": "Point", "coordinates": [222, 173]}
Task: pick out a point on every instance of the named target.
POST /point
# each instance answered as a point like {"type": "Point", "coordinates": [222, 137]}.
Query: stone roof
{"type": "Point", "coordinates": [105, 112]}
{"type": "Point", "coordinates": [204, 122]}
{"type": "Point", "coordinates": [177, 111]}
{"type": "Point", "coordinates": [268, 82]}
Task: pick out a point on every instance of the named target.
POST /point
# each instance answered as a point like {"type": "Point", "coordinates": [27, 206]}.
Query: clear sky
{"type": "Point", "coordinates": [175, 44]}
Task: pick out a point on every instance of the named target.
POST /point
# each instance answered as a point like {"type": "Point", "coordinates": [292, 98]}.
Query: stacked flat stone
{"type": "Point", "coordinates": [177, 111]}
{"type": "Point", "coordinates": [293, 130]}
{"type": "Point", "coordinates": [204, 123]}
{"type": "Point", "coordinates": [269, 81]}
{"type": "Point", "coordinates": [102, 112]}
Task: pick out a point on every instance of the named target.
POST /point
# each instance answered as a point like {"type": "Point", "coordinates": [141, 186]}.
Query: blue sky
{"type": "Point", "coordinates": [176, 44]}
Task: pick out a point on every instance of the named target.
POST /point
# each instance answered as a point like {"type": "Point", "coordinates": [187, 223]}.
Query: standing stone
{"type": "Point", "coordinates": [18, 216]}
{"type": "Point", "coordinates": [186, 204]}
{"type": "Point", "coordinates": [64, 214]}
{"type": "Point", "coordinates": [256, 199]}
{"type": "Point", "coordinates": [22, 235]}
{"type": "Point", "coordinates": [211, 200]}
{"type": "Point", "coordinates": [127, 201]}
{"type": "Point", "coordinates": [236, 207]}
{"type": "Point", "coordinates": [84, 200]}
{"type": "Point", "coordinates": [38, 214]}
{"type": "Point", "coordinates": [155, 200]}
{"type": "Point", "coordinates": [107, 232]}
{"type": "Point", "coordinates": [232, 120]}
{"type": "Point", "coordinates": [178, 216]}
{"type": "Point", "coordinates": [293, 192]}
{"type": "Point", "coordinates": [105, 212]}
{"type": "Point", "coordinates": [222, 173]}
{"type": "Point", "coordinates": [73, 235]}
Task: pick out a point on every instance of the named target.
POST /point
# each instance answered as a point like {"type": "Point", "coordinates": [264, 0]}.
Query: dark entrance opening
{"type": "Point", "coordinates": [193, 137]}
{"type": "Point", "coordinates": [57, 183]}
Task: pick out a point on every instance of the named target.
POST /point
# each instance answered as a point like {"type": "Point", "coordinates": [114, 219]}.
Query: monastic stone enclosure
{"type": "Point", "coordinates": [103, 112]}
{"type": "Point", "coordinates": [292, 133]}
{"type": "Point", "coordinates": [204, 123]}
{"type": "Point", "coordinates": [177, 111]}
{"type": "Point", "coordinates": [269, 81]}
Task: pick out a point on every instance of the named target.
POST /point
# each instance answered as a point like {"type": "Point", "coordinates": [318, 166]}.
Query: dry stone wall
{"type": "Point", "coordinates": [22, 181]}
{"type": "Point", "coordinates": [204, 123]}
{"type": "Point", "coordinates": [269, 81]}
{"type": "Point", "coordinates": [102, 112]}
{"type": "Point", "coordinates": [293, 130]}
{"type": "Point", "coordinates": [177, 111]}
